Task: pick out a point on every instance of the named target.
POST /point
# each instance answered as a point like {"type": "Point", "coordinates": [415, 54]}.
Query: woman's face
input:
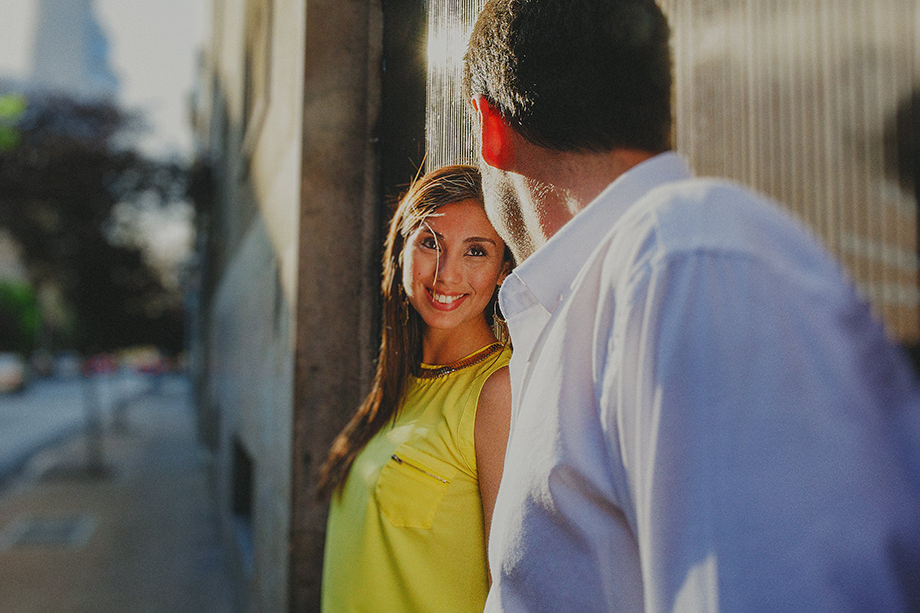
{"type": "Point", "coordinates": [451, 266]}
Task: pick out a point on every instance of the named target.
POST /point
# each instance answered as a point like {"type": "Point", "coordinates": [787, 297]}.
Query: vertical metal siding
{"type": "Point", "coordinates": [792, 98]}
{"type": "Point", "coordinates": [449, 122]}
{"type": "Point", "coordinates": [789, 97]}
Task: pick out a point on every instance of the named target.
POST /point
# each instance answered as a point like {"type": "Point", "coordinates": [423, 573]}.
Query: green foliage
{"type": "Point", "coordinates": [12, 107]}
{"type": "Point", "coordinates": [19, 317]}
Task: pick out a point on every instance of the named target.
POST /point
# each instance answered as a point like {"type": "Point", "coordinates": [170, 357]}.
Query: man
{"type": "Point", "coordinates": [705, 415]}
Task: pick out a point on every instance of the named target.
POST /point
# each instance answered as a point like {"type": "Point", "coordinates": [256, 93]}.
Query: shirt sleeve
{"type": "Point", "coordinates": [752, 411]}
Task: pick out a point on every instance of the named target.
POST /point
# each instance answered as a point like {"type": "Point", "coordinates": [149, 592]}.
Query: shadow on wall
{"type": "Point", "coordinates": [902, 163]}
{"type": "Point", "coordinates": [902, 137]}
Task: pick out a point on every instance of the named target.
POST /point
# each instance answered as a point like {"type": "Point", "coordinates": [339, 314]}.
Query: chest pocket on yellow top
{"type": "Point", "coordinates": [410, 487]}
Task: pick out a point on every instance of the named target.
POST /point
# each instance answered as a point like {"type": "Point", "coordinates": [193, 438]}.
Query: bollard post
{"type": "Point", "coordinates": [95, 454]}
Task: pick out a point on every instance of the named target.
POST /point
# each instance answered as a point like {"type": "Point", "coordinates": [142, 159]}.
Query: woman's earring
{"type": "Point", "coordinates": [499, 326]}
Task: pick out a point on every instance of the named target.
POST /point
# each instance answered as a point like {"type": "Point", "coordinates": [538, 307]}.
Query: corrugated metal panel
{"type": "Point", "coordinates": [797, 99]}
{"type": "Point", "coordinates": [449, 123]}
{"type": "Point", "coordinates": [792, 98]}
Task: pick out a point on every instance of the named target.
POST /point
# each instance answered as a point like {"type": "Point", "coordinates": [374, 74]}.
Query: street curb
{"type": "Point", "coordinates": [11, 471]}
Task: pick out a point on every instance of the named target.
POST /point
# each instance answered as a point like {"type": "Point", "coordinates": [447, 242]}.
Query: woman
{"type": "Point", "coordinates": [414, 474]}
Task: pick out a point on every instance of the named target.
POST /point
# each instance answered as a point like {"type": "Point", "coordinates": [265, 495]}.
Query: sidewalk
{"type": "Point", "coordinates": [125, 526]}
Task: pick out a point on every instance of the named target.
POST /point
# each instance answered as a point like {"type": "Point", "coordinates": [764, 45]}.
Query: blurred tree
{"type": "Point", "coordinates": [18, 317]}
{"type": "Point", "coordinates": [68, 166]}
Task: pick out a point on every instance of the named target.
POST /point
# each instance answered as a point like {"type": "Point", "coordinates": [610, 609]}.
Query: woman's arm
{"type": "Point", "coordinates": [493, 417]}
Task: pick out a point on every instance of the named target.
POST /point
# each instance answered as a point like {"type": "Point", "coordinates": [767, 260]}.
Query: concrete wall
{"type": "Point", "coordinates": [339, 229]}
{"type": "Point", "coordinates": [307, 134]}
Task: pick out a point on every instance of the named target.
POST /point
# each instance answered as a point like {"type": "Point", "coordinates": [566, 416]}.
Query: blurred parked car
{"type": "Point", "coordinates": [13, 372]}
{"type": "Point", "coordinates": [146, 360]}
{"type": "Point", "coordinates": [100, 364]}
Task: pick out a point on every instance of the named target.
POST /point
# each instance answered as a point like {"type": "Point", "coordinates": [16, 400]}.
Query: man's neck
{"type": "Point", "coordinates": [579, 177]}
{"type": "Point", "coordinates": [570, 181]}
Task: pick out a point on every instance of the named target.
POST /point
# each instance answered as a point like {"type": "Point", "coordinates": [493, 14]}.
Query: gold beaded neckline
{"type": "Point", "coordinates": [433, 372]}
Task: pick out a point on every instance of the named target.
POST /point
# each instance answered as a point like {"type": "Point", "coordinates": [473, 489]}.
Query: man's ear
{"type": "Point", "coordinates": [496, 136]}
{"type": "Point", "coordinates": [503, 274]}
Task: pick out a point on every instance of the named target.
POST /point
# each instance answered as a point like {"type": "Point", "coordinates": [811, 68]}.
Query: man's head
{"type": "Point", "coordinates": [575, 75]}
{"type": "Point", "coordinates": [569, 94]}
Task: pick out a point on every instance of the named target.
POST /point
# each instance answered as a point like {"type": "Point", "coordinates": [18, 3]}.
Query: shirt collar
{"type": "Point", "coordinates": [549, 271]}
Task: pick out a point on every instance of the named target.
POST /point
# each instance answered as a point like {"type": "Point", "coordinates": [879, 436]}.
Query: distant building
{"type": "Point", "coordinates": [71, 52]}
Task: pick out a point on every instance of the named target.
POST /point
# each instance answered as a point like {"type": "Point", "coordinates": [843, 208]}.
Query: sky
{"type": "Point", "coordinates": [154, 45]}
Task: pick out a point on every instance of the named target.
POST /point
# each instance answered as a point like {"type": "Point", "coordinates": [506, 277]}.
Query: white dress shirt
{"type": "Point", "coordinates": [706, 416]}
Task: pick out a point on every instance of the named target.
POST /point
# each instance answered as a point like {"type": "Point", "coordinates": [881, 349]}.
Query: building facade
{"type": "Point", "coordinates": [314, 114]}
{"type": "Point", "coordinates": [310, 121]}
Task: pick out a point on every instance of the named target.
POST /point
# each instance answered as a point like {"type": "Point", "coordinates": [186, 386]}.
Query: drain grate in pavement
{"type": "Point", "coordinates": [68, 531]}
{"type": "Point", "coordinates": [77, 473]}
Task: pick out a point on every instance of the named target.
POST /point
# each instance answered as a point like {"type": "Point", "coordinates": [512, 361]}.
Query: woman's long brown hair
{"type": "Point", "coordinates": [401, 335]}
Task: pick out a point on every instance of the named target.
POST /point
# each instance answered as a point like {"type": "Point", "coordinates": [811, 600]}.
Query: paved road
{"type": "Point", "coordinates": [52, 409]}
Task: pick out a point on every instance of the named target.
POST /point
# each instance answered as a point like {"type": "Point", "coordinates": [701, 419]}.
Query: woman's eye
{"type": "Point", "coordinates": [429, 243]}
{"type": "Point", "coordinates": [478, 251]}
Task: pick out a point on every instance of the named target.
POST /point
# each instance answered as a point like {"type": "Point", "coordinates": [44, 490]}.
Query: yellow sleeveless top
{"type": "Point", "coordinates": [405, 533]}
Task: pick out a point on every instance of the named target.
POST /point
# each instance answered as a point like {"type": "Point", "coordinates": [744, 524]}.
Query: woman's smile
{"type": "Point", "coordinates": [445, 301]}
